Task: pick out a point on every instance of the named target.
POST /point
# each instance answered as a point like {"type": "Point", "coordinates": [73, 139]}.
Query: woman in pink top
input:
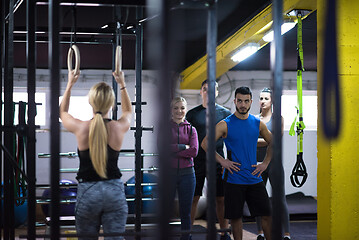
{"type": "Point", "coordinates": [184, 147]}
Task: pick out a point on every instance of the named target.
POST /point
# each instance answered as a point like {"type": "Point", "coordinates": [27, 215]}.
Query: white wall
{"type": "Point", "coordinates": [256, 80]}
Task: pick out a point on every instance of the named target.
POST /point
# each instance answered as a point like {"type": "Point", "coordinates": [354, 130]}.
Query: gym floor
{"type": "Point", "coordinates": [300, 230]}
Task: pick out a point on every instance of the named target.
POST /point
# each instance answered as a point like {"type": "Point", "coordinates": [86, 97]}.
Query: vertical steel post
{"type": "Point", "coordinates": [277, 82]}
{"type": "Point", "coordinates": [160, 55]}
{"type": "Point", "coordinates": [54, 65]}
{"type": "Point", "coordinates": [2, 56]}
{"type": "Point", "coordinates": [115, 43]}
{"type": "Point", "coordinates": [138, 112]}
{"type": "Point", "coordinates": [31, 139]}
{"type": "Point", "coordinates": [211, 120]}
{"type": "Point", "coordinates": [9, 220]}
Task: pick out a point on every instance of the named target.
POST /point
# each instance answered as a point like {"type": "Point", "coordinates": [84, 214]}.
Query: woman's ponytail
{"type": "Point", "coordinates": [98, 145]}
{"type": "Point", "coordinates": [101, 98]}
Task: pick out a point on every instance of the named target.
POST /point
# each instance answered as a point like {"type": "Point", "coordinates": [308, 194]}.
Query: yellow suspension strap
{"type": "Point", "coordinates": [299, 173]}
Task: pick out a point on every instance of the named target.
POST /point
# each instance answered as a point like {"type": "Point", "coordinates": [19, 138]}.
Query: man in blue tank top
{"type": "Point", "coordinates": [242, 175]}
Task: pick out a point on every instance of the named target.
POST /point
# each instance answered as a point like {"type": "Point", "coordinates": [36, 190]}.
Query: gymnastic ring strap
{"type": "Point", "coordinates": [118, 60]}
{"type": "Point", "coordinates": [73, 49]}
{"type": "Point", "coordinates": [299, 173]}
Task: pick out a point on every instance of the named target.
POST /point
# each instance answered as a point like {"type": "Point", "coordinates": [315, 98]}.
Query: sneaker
{"type": "Point", "coordinates": [225, 237]}
{"type": "Point", "coordinates": [260, 237]}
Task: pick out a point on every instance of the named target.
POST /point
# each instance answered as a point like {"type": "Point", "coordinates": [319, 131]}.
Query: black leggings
{"type": "Point", "coordinates": [268, 174]}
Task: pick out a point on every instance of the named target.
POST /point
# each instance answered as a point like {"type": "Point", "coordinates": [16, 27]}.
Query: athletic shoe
{"type": "Point", "coordinates": [225, 237]}
{"type": "Point", "coordinates": [260, 237]}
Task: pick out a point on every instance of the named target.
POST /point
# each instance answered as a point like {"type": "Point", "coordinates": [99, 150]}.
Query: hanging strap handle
{"type": "Point", "coordinates": [299, 173]}
{"type": "Point", "coordinates": [118, 60]}
{"type": "Point", "coordinates": [73, 50]}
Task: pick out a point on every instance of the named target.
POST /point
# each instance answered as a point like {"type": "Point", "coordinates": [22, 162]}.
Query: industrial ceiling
{"type": "Point", "coordinates": [86, 25]}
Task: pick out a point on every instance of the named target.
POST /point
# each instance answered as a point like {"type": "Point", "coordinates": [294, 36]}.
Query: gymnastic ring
{"type": "Point", "coordinates": [73, 49]}
{"type": "Point", "coordinates": [118, 60]}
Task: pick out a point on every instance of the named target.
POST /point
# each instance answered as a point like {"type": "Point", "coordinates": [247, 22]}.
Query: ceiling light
{"type": "Point", "coordinates": [104, 26]}
{"type": "Point", "coordinates": [245, 52]}
{"type": "Point", "coordinates": [296, 12]}
{"type": "Point", "coordinates": [25, 32]}
{"type": "Point", "coordinates": [268, 37]}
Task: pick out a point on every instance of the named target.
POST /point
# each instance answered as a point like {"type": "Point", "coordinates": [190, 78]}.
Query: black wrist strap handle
{"type": "Point", "coordinates": [299, 173]}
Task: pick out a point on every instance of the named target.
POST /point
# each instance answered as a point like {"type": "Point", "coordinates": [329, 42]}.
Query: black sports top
{"type": "Point", "coordinates": [197, 117]}
{"type": "Point", "coordinates": [86, 171]}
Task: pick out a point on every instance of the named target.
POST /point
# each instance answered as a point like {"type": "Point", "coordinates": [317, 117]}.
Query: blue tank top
{"type": "Point", "coordinates": [241, 144]}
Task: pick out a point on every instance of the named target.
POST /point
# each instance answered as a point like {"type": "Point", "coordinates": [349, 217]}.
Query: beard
{"type": "Point", "coordinates": [243, 112]}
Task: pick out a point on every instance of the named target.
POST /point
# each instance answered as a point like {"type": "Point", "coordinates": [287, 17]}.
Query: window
{"type": "Point", "coordinates": [40, 118]}
{"type": "Point", "coordinates": [310, 109]}
{"type": "Point", "coordinates": [80, 107]}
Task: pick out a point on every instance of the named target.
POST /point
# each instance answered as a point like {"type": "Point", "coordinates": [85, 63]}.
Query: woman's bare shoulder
{"type": "Point", "coordinates": [83, 127]}
{"type": "Point", "coordinates": [117, 126]}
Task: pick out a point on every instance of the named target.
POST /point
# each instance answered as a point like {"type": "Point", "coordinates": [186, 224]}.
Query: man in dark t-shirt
{"type": "Point", "coordinates": [197, 117]}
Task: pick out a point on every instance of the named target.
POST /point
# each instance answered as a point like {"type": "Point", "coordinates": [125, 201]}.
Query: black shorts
{"type": "Point", "coordinates": [200, 178]}
{"type": "Point", "coordinates": [255, 195]}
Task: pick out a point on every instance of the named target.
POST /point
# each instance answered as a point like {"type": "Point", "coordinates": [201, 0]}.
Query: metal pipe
{"type": "Point", "coordinates": [2, 56]}
{"type": "Point", "coordinates": [210, 121]}
{"type": "Point", "coordinates": [138, 112]}
{"type": "Point", "coordinates": [277, 82]}
{"type": "Point", "coordinates": [98, 3]}
{"type": "Point", "coordinates": [54, 64]}
{"type": "Point", "coordinates": [15, 7]}
{"type": "Point", "coordinates": [9, 232]}
{"type": "Point", "coordinates": [75, 170]}
{"type": "Point", "coordinates": [115, 43]}
{"type": "Point", "coordinates": [75, 155]}
{"type": "Point", "coordinates": [159, 52]}
{"type": "Point", "coordinates": [12, 160]}
{"type": "Point", "coordinates": [31, 136]}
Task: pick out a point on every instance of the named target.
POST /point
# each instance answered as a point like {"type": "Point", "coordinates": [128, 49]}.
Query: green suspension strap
{"type": "Point", "coordinates": [299, 173]}
{"type": "Point", "coordinates": [20, 187]}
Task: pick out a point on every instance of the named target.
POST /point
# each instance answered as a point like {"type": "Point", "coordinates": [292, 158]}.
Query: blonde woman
{"type": "Point", "coordinates": [101, 198]}
{"type": "Point", "coordinates": [184, 146]}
